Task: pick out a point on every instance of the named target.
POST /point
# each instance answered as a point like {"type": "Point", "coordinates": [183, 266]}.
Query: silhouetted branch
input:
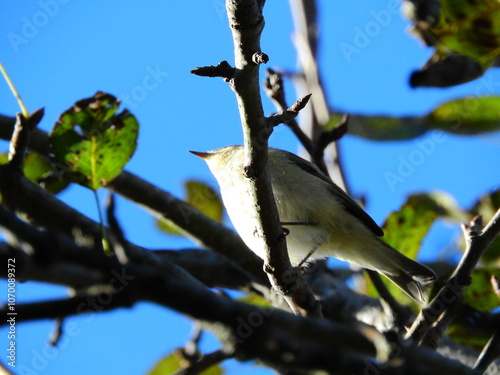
{"type": "Point", "coordinates": [491, 351]}
{"type": "Point", "coordinates": [443, 304]}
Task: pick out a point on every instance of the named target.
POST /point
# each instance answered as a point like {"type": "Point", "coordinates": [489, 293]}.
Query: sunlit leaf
{"type": "Point", "coordinates": [94, 142]}
{"type": "Point", "coordinates": [386, 128]}
{"type": "Point", "coordinates": [175, 361]}
{"type": "Point", "coordinates": [465, 36]}
{"type": "Point", "coordinates": [469, 28]}
{"type": "Point", "coordinates": [470, 115]}
{"type": "Point", "coordinates": [40, 171]}
{"type": "Point", "coordinates": [253, 299]}
{"type": "Point", "coordinates": [480, 294]}
{"type": "Point", "coordinates": [205, 199]}
{"type": "Point", "coordinates": [406, 228]}
{"type": "Point", "coordinates": [202, 197]}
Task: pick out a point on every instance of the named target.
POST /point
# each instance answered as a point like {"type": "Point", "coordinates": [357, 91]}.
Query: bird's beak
{"type": "Point", "coordinates": [202, 155]}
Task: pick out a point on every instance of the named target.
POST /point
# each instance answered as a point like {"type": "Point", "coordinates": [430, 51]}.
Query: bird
{"type": "Point", "coordinates": [320, 220]}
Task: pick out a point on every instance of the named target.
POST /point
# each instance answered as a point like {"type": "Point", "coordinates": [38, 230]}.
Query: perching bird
{"type": "Point", "coordinates": [320, 218]}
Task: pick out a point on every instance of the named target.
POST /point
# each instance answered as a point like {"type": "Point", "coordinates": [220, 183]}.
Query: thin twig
{"type": "Point", "coordinates": [451, 293]}
{"type": "Point", "coordinates": [57, 332]}
{"type": "Point", "coordinates": [20, 138]}
{"type": "Point", "coordinates": [326, 138]}
{"type": "Point", "coordinates": [191, 347]}
{"type": "Point", "coordinates": [223, 69]}
{"type": "Point", "coordinates": [14, 91]}
{"type": "Point", "coordinates": [304, 14]}
{"type": "Point", "coordinates": [274, 89]}
{"type": "Point", "coordinates": [117, 239]}
{"type": "Point", "coordinates": [287, 115]}
{"type": "Point", "coordinates": [491, 351]}
{"type": "Point", "coordinates": [397, 313]}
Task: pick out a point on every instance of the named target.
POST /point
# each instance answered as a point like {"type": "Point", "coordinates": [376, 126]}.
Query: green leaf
{"type": "Point", "coordinates": [202, 197]}
{"type": "Point", "coordinates": [480, 294]}
{"type": "Point", "coordinates": [465, 35]}
{"type": "Point", "coordinates": [468, 115]}
{"type": "Point", "coordinates": [386, 128]}
{"type": "Point", "coordinates": [256, 300]}
{"type": "Point", "coordinates": [469, 28]}
{"type": "Point", "coordinates": [94, 142]}
{"type": "Point", "coordinates": [471, 115]}
{"type": "Point", "coordinates": [406, 228]}
{"type": "Point", "coordinates": [175, 361]}
{"type": "Point", "coordinates": [205, 199]}
{"type": "Point", "coordinates": [38, 169]}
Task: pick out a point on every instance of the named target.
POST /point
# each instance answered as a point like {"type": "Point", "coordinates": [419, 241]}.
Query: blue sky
{"type": "Point", "coordinates": [60, 51]}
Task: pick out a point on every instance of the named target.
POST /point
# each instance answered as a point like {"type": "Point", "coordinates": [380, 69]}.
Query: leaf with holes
{"type": "Point", "coordinates": [92, 142]}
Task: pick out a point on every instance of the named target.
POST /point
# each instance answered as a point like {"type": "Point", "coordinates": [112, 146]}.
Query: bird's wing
{"type": "Point", "coordinates": [349, 204]}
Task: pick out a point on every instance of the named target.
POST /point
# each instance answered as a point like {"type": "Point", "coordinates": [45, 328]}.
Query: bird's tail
{"type": "Point", "coordinates": [408, 274]}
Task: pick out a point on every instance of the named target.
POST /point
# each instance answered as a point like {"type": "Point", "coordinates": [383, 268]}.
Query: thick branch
{"type": "Point", "coordinates": [234, 322]}
{"type": "Point", "coordinates": [195, 224]}
{"type": "Point", "coordinates": [158, 202]}
{"type": "Point", "coordinates": [56, 259]}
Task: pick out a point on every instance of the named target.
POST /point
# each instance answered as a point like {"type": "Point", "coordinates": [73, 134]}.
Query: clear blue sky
{"type": "Point", "coordinates": [60, 51]}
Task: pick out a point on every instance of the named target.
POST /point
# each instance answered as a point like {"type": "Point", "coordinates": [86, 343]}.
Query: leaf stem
{"type": "Point", "coordinates": [105, 242]}
{"type": "Point", "coordinates": [24, 110]}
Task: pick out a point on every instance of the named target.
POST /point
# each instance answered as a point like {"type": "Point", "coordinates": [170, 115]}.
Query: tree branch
{"type": "Point", "coordinates": [247, 22]}
{"type": "Point", "coordinates": [158, 202]}
{"type": "Point", "coordinates": [395, 312]}
{"type": "Point", "coordinates": [490, 352]}
{"type": "Point", "coordinates": [275, 90]}
{"type": "Point", "coordinates": [50, 257]}
{"type": "Point", "coordinates": [444, 303]}
{"type": "Point", "coordinates": [205, 362]}
{"type": "Point", "coordinates": [223, 69]}
{"type": "Point", "coordinates": [288, 114]}
{"type": "Point", "coordinates": [195, 224]}
{"type": "Point", "coordinates": [246, 330]}
{"type": "Point", "coordinates": [306, 41]}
